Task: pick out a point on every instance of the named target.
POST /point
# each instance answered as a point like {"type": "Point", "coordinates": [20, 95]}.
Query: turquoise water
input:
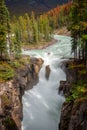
{"type": "Point", "coordinates": [42, 104]}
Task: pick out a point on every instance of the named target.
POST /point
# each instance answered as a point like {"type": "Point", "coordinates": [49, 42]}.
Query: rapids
{"type": "Point", "coordinates": [42, 104]}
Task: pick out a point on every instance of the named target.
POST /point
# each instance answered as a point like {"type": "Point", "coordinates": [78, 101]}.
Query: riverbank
{"type": "Point", "coordinates": [42, 45]}
{"type": "Point", "coordinates": [61, 31]}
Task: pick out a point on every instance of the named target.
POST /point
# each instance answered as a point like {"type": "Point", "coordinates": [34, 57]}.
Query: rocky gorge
{"type": "Point", "coordinates": [11, 93]}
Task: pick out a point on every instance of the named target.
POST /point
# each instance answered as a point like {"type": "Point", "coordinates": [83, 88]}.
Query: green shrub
{"type": "Point", "coordinates": [20, 63]}
{"type": "Point", "coordinates": [78, 90]}
{"type": "Point", "coordinates": [6, 72]}
{"type": "Point", "coordinates": [72, 66]}
{"type": "Point", "coordinates": [83, 71]}
{"type": "Point", "coordinates": [15, 64]}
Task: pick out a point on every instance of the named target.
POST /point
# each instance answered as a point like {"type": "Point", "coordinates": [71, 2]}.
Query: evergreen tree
{"type": "Point", "coordinates": [16, 42]}
{"type": "Point", "coordinates": [41, 28]}
{"type": "Point", "coordinates": [4, 29]}
{"type": "Point", "coordinates": [28, 28]}
{"type": "Point", "coordinates": [34, 28]}
{"type": "Point", "coordinates": [22, 28]}
{"type": "Point", "coordinates": [36, 32]}
{"type": "Point", "coordinates": [46, 28]}
{"type": "Point", "coordinates": [78, 27]}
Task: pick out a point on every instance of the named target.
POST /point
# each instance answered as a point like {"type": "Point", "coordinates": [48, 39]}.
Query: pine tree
{"type": "Point", "coordinates": [4, 29]}
{"type": "Point", "coordinates": [28, 28]}
{"type": "Point", "coordinates": [35, 32]}
{"type": "Point", "coordinates": [46, 28]}
{"type": "Point", "coordinates": [22, 27]}
{"type": "Point", "coordinates": [75, 19]}
{"type": "Point", "coordinates": [78, 27]}
{"type": "Point", "coordinates": [41, 29]}
{"type": "Point", "coordinates": [16, 42]}
{"type": "Point", "coordinates": [34, 28]}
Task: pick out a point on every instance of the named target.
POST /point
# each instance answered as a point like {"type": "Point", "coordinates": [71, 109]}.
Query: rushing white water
{"type": "Point", "coordinates": [42, 104]}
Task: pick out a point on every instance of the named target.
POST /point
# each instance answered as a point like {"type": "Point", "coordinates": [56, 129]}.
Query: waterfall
{"type": "Point", "coordinates": [42, 104]}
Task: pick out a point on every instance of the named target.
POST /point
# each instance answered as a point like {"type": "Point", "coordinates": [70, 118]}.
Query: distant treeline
{"type": "Point", "coordinates": [34, 29]}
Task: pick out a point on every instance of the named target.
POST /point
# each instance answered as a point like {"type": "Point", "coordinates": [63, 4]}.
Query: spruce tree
{"type": "Point", "coordinates": [28, 28]}
{"type": "Point", "coordinates": [17, 42]}
{"type": "Point", "coordinates": [4, 29]}
{"type": "Point", "coordinates": [78, 27]}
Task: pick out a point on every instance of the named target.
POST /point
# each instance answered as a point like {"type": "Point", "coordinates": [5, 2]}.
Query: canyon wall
{"type": "Point", "coordinates": [11, 92]}
{"type": "Point", "coordinates": [74, 113]}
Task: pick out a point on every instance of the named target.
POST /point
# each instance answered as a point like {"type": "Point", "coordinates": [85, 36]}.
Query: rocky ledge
{"type": "Point", "coordinates": [11, 93]}
{"type": "Point", "coordinates": [74, 113]}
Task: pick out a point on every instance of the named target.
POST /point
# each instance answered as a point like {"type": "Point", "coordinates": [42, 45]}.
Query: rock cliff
{"type": "Point", "coordinates": [74, 112]}
{"type": "Point", "coordinates": [11, 93]}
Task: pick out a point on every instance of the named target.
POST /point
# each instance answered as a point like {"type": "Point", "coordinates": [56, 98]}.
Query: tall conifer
{"type": "Point", "coordinates": [4, 29]}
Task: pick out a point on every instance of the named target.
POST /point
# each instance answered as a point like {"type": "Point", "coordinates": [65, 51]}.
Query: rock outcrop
{"type": "Point", "coordinates": [11, 93]}
{"type": "Point", "coordinates": [74, 113]}
{"type": "Point", "coordinates": [47, 72]}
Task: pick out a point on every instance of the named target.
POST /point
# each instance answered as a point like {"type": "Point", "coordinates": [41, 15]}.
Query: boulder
{"type": "Point", "coordinates": [47, 72]}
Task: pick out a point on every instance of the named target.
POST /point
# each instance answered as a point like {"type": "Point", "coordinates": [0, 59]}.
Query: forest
{"type": "Point", "coordinates": [20, 32]}
{"type": "Point", "coordinates": [78, 27]}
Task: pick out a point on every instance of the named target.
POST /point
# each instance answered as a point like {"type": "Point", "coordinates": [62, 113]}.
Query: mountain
{"type": "Point", "coordinates": [19, 7]}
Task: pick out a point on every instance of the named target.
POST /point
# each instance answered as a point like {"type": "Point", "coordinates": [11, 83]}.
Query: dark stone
{"type": "Point", "coordinates": [64, 88]}
{"type": "Point", "coordinates": [9, 124]}
{"type": "Point", "coordinates": [47, 72]}
{"type": "Point", "coordinates": [65, 116]}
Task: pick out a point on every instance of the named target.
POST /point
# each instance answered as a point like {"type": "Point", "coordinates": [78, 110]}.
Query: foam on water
{"type": "Point", "coordinates": [42, 104]}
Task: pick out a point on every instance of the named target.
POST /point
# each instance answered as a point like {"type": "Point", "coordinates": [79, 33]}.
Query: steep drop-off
{"type": "Point", "coordinates": [74, 112]}
{"type": "Point", "coordinates": [11, 93]}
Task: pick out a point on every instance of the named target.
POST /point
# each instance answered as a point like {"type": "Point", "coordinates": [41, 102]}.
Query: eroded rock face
{"type": "Point", "coordinates": [11, 93]}
{"type": "Point", "coordinates": [9, 103]}
{"type": "Point", "coordinates": [74, 113]}
{"type": "Point", "coordinates": [78, 119]}
{"type": "Point", "coordinates": [74, 116]}
{"type": "Point", "coordinates": [65, 116]}
{"type": "Point", "coordinates": [35, 66]}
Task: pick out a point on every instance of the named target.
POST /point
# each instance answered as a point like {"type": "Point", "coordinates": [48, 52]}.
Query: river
{"type": "Point", "coordinates": [42, 104]}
